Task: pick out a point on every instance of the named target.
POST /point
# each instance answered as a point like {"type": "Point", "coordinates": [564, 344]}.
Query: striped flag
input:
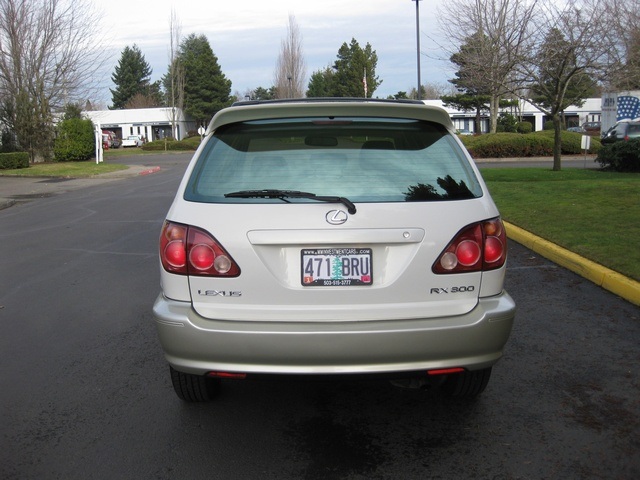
{"type": "Point", "coordinates": [364, 82]}
{"type": "Point", "coordinates": [628, 108]}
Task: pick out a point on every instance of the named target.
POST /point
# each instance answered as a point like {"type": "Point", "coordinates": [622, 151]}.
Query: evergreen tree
{"type": "Point", "coordinates": [469, 102]}
{"type": "Point", "coordinates": [131, 77]}
{"type": "Point", "coordinates": [261, 93]}
{"type": "Point", "coordinates": [470, 79]}
{"type": "Point", "coordinates": [355, 71]}
{"type": "Point", "coordinates": [321, 83]}
{"type": "Point", "coordinates": [206, 89]}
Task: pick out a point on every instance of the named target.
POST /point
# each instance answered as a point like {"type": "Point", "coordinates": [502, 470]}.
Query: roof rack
{"type": "Point", "coordinates": [325, 99]}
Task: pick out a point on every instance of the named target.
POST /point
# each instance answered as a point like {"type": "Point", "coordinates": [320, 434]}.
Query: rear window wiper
{"type": "Point", "coordinates": [282, 194]}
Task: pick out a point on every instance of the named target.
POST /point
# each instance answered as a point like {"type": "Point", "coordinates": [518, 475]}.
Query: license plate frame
{"type": "Point", "coordinates": [336, 267]}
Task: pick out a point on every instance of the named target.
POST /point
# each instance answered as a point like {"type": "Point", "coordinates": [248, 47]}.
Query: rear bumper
{"type": "Point", "coordinates": [197, 345]}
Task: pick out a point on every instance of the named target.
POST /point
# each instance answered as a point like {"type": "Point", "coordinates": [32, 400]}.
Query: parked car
{"type": "Point", "coordinates": [622, 131]}
{"type": "Point", "coordinates": [110, 139]}
{"type": "Point", "coordinates": [592, 128]}
{"type": "Point", "coordinates": [576, 130]}
{"type": "Point", "coordinates": [132, 141]}
{"type": "Point", "coordinates": [332, 237]}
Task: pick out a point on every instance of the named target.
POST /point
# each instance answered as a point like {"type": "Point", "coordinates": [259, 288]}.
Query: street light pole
{"type": "Point", "coordinates": [418, 44]}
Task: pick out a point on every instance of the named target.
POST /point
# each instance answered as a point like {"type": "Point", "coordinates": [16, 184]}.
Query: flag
{"type": "Point", "coordinates": [628, 108]}
{"type": "Point", "coordinates": [364, 82]}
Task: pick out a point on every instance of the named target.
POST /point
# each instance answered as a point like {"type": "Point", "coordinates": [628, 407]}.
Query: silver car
{"type": "Point", "coordinates": [332, 237]}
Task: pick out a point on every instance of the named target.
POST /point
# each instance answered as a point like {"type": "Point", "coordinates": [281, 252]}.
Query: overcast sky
{"type": "Point", "coordinates": [246, 36]}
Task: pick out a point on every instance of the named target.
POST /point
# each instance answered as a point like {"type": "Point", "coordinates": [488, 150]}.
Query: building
{"type": "Point", "coordinates": [574, 116]}
{"type": "Point", "coordinates": [150, 123]}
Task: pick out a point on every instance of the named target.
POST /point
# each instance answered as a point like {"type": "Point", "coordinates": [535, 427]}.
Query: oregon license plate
{"type": "Point", "coordinates": [336, 267]}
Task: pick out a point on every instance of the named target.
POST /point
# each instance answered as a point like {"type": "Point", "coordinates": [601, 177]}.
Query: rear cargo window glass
{"type": "Point", "coordinates": [362, 159]}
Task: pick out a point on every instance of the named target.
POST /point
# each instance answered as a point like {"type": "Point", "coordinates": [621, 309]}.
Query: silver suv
{"type": "Point", "coordinates": [332, 237]}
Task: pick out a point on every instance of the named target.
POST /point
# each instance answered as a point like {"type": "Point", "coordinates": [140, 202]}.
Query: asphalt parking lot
{"type": "Point", "coordinates": [86, 391]}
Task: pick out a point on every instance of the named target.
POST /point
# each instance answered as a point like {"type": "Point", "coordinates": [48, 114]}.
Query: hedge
{"type": "Point", "coordinates": [14, 160]}
{"type": "Point", "coordinates": [537, 144]}
{"type": "Point", "coordinates": [169, 145]}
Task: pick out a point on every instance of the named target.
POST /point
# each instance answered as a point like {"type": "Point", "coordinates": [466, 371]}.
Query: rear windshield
{"type": "Point", "coordinates": [362, 159]}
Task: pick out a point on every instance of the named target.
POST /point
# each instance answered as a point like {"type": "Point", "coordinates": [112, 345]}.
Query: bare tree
{"type": "Point", "coordinates": [496, 34]}
{"type": "Point", "coordinates": [174, 84]}
{"type": "Point", "coordinates": [623, 25]}
{"type": "Point", "coordinates": [49, 56]}
{"type": "Point", "coordinates": [572, 52]}
{"type": "Point", "coordinates": [291, 70]}
{"type": "Point", "coordinates": [434, 91]}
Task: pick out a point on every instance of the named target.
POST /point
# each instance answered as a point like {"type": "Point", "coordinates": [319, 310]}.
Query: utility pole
{"type": "Point", "coordinates": [418, 44]}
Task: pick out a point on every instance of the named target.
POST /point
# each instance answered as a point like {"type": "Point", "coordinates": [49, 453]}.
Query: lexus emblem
{"type": "Point", "coordinates": [336, 217]}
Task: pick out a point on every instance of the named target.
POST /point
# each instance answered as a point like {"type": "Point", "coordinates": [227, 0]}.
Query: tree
{"type": "Point", "coordinates": [398, 96]}
{"type": "Point", "coordinates": [49, 56]}
{"type": "Point", "coordinates": [72, 110]}
{"type": "Point", "coordinates": [131, 76]}
{"type": "Point", "coordinates": [151, 99]}
{"type": "Point", "coordinates": [355, 71]}
{"type": "Point", "coordinates": [433, 91]}
{"type": "Point", "coordinates": [174, 79]}
{"type": "Point", "coordinates": [261, 93]}
{"type": "Point", "coordinates": [574, 49]}
{"type": "Point", "coordinates": [206, 89]}
{"type": "Point", "coordinates": [577, 89]}
{"type": "Point", "coordinates": [492, 36]}
{"type": "Point", "coordinates": [622, 19]}
{"type": "Point", "coordinates": [291, 70]}
{"type": "Point", "coordinates": [321, 83]}
{"type": "Point", "coordinates": [469, 103]}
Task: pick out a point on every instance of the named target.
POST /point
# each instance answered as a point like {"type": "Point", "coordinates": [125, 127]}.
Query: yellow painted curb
{"type": "Point", "coordinates": [606, 278]}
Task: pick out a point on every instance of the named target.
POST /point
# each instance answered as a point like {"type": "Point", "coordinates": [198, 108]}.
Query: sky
{"type": "Point", "coordinates": [246, 36]}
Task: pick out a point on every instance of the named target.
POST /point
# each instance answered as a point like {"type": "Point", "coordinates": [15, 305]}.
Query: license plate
{"type": "Point", "coordinates": [336, 267]}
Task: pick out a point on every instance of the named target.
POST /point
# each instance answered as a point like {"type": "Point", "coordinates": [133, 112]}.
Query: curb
{"type": "Point", "coordinates": [149, 171]}
{"type": "Point", "coordinates": [606, 278]}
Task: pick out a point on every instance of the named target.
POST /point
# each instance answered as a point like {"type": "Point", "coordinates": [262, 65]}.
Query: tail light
{"type": "Point", "coordinates": [187, 250]}
{"type": "Point", "coordinates": [477, 247]}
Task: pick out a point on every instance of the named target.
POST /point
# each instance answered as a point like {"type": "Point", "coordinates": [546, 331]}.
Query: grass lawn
{"type": "Point", "coordinates": [64, 169]}
{"type": "Point", "coordinates": [592, 213]}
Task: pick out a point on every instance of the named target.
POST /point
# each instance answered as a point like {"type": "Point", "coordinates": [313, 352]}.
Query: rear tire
{"type": "Point", "coordinates": [468, 384]}
{"type": "Point", "coordinates": [194, 388]}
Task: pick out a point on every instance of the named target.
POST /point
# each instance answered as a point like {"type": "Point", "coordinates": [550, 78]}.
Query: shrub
{"type": "Point", "coordinates": [524, 127]}
{"type": "Point", "coordinates": [507, 123]}
{"type": "Point", "coordinates": [75, 142]}
{"type": "Point", "coordinates": [548, 125]}
{"type": "Point", "coordinates": [14, 160]}
{"type": "Point", "coordinates": [620, 156]}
